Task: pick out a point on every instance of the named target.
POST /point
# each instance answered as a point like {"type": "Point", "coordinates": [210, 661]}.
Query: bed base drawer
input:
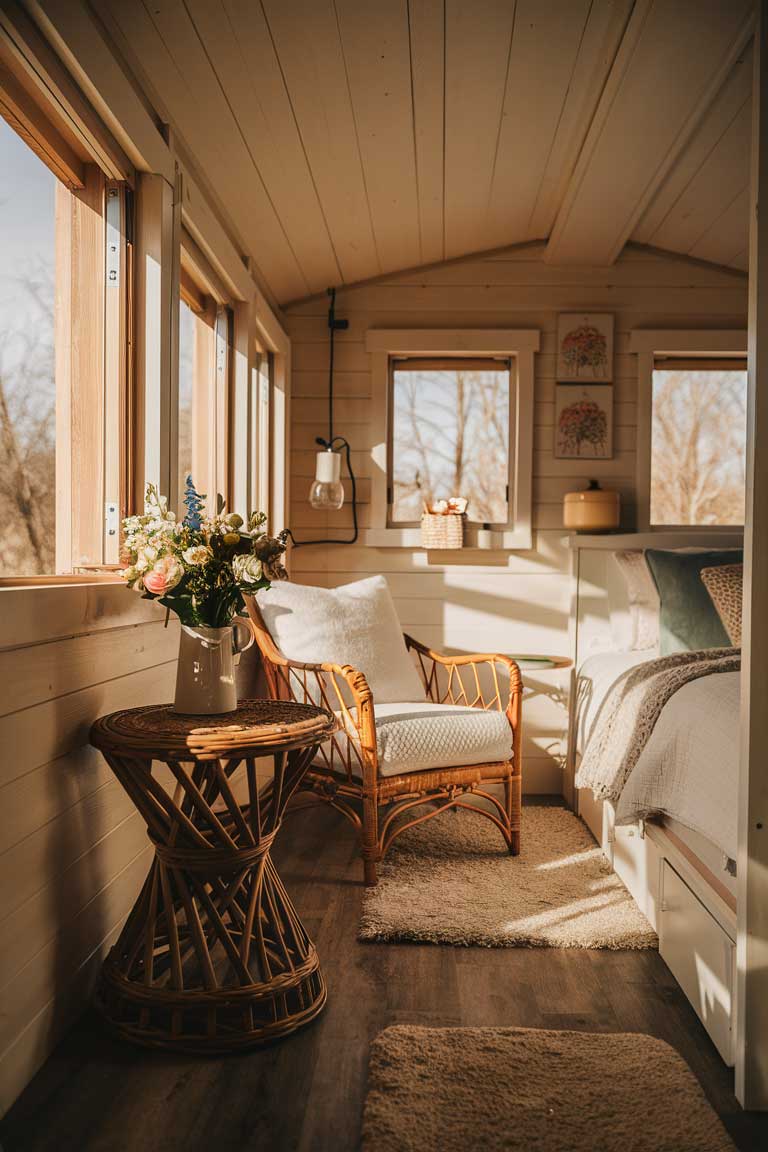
{"type": "Point", "coordinates": [701, 957]}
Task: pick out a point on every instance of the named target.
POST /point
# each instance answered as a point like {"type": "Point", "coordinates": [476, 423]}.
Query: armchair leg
{"type": "Point", "coordinates": [513, 801]}
{"type": "Point", "coordinates": [370, 839]}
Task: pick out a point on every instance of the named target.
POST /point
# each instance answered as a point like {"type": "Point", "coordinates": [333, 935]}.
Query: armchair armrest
{"type": "Point", "coordinates": [317, 683]}
{"type": "Point", "coordinates": [461, 680]}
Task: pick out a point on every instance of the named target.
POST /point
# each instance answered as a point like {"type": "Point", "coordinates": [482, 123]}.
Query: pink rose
{"type": "Point", "coordinates": [155, 583]}
{"type": "Point", "coordinates": [163, 576]}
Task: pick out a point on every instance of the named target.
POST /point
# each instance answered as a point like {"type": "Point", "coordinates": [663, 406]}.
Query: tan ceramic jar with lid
{"type": "Point", "coordinates": [593, 510]}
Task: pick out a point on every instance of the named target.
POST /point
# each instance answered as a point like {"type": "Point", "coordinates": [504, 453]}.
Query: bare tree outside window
{"type": "Point", "coordinates": [450, 438]}
{"type": "Point", "coordinates": [27, 362]}
{"type": "Point", "coordinates": [698, 446]}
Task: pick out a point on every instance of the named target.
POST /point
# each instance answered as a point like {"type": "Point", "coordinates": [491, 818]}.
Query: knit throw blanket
{"type": "Point", "coordinates": [630, 710]}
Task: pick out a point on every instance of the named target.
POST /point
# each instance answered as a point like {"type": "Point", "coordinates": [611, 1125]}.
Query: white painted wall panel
{"type": "Point", "coordinates": [509, 602]}
{"type": "Point", "coordinates": [73, 851]}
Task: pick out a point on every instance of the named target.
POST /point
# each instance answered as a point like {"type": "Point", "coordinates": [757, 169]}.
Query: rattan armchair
{"type": "Point", "coordinates": [346, 770]}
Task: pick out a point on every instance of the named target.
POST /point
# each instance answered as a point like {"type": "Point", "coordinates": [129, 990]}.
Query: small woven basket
{"type": "Point", "coordinates": [446, 531]}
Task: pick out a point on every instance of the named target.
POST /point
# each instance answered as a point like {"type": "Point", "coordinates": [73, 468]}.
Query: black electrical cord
{"type": "Point", "coordinates": [355, 532]}
{"type": "Point", "coordinates": [332, 329]}
{"type": "Point", "coordinates": [333, 325]}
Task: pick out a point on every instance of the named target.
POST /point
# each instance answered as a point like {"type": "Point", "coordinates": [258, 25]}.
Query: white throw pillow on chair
{"type": "Point", "coordinates": [356, 624]}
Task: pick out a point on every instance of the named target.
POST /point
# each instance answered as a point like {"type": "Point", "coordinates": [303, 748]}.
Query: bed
{"type": "Point", "coordinates": [685, 779]}
{"type": "Point", "coordinates": [665, 816]}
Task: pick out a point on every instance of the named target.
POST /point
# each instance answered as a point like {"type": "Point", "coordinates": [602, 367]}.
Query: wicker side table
{"type": "Point", "coordinates": [213, 956]}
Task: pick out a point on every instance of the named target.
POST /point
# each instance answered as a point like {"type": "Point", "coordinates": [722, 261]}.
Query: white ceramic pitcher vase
{"type": "Point", "coordinates": [205, 678]}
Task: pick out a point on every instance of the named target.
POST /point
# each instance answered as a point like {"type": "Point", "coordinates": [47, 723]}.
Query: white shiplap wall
{"type": "Point", "coordinates": [509, 602]}
{"type": "Point", "coordinates": [73, 850]}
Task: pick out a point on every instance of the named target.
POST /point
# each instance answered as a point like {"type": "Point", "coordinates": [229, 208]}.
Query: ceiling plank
{"type": "Point", "coordinates": [723, 175]}
{"type": "Point", "coordinates": [237, 42]}
{"type": "Point", "coordinates": [730, 100]}
{"type": "Point", "coordinates": [600, 42]}
{"type": "Point", "coordinates": [542, 57]}
{"type": "Point", "coordinates": [727, 235]}
{"type": "Point", "coordinates": [306, 38]}
{"type": "Point", "coordinates": [478, 38]}
{"type": "Point", "coordinates": [375, 41]}
{"type": "Point", "coordinates": [651, 105]}
{"type": "Point", "coordinates": [176, 68]}
{"type": "Point", "coordinates": [427, 21]}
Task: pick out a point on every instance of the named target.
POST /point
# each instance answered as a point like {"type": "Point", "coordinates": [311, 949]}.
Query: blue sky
{"type": "Point", "coordinates": [27, 204]}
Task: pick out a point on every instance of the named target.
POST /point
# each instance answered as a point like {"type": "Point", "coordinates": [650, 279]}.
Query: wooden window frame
{"type": "Point", "coordinates": [92, 323]}
{"type": "Point", "coordinates": [518, 345]}
{"type": "Point", "coordinates": [650, 345]}
{"type": "Point", "coordinates": [93, 372]}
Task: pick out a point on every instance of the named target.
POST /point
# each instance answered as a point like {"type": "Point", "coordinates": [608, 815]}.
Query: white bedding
{"type": "Point", "coordinates": [596, 677]}
{"type": "Point", "coordinates": [688, 768]}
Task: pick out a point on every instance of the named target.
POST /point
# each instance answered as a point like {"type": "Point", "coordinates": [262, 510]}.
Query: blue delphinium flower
{"type": "Point", "coordinates": [195, 504]}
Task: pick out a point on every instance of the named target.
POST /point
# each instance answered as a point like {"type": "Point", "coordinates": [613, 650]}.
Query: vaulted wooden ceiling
{"type": "Point", "coordinates": [344, 139]}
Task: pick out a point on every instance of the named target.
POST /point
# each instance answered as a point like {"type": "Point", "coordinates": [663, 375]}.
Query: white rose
{"type": "Point", "coordinates": [198, 554]}
{"type": "Point", "coordinates": [247, 569]}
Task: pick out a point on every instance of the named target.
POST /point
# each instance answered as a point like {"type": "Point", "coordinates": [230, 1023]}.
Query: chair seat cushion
{"type": "Point", "coordinates": [422, 736]}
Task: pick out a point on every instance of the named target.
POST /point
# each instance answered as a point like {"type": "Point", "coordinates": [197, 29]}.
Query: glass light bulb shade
{"type": "Point", "coordinates": [327, 496]}
{"type": "Point", "coordinates": [327, 490]}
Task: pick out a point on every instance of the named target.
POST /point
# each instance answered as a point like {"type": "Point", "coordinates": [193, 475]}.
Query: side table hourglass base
{"type": "Point", "coordinates": [213, 956]}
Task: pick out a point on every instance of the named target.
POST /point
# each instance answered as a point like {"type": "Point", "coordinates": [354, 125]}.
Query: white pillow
{"type": "Point", "coordinates": [644, 607]}
{"type": "Point", "coordinates": [356, 624]}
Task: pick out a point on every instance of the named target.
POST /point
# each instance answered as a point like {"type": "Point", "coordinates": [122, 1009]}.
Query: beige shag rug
{"type": "Point", "coordinates": [451, 881]}
{"type": "Point", "coordinates": [525, 1090]}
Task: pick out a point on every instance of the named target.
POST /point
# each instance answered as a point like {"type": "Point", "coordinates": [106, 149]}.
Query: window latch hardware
{"type": "Point", "coordinates": [111, 518]}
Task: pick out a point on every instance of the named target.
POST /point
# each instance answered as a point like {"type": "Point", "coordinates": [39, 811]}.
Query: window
{"type": "Point", "coordinates": [64, 355]}
{"type": "Point", "coordinates": [205, 340]}
{"type": "Point", "coordinates": [27, 360]}
{"type": "Point", "coordinates": [197, 374]}
{"type": "Point", "coordinates": [261, 410]}
{"type": "Point", "coordinates": [450, 422]}
{"type": "Point", "coordinates": [698, 441]}
{"type": "Point", "coordinates": [456, 410]}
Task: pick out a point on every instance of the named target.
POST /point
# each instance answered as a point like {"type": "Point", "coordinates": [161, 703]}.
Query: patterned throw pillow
{"type": "Point", "coordinates": [724, 585]}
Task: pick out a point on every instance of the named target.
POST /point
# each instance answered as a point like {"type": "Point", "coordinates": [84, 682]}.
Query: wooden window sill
{"type": "Point", "coordinates": [71, 579]}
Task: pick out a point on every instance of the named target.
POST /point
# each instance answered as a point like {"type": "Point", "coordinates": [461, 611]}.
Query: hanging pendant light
{"type": "Point", "coordinates": [326, 492]}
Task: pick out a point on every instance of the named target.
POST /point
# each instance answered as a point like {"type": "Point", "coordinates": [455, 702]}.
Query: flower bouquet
{"type": "Point", "coordinates": [200, 568]}
{"type": "Point", "coordinates": [585, 348]}
{"type": "Point", "coordinates": [583, 422]}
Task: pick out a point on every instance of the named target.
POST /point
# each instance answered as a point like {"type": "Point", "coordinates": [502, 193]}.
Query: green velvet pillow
{"type": "Point", "coordinates": [688, 620]}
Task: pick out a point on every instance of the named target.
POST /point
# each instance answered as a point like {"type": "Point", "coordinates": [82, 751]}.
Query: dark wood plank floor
{"type": "Point", "coordinates": [306, 1093]}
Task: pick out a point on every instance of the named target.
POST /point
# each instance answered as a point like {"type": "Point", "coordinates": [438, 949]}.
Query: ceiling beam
{"type": "Point", "coordinates": [673, 60]}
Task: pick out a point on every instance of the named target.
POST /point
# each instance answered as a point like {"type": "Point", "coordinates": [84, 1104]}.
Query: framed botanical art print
{"type": "Point", "coordinates": [585, 347]}
{"type": "Point", "coordinates": [584, 422]}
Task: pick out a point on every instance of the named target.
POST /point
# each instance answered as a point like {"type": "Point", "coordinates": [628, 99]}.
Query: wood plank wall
{"type": "Point", "coordinates": [73, 852]}
{"type": "Point", "coordinates": [511, 602]}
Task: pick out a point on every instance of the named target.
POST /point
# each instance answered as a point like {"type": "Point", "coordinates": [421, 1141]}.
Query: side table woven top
{"type": "Point", "coordinates": [257, 728]}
